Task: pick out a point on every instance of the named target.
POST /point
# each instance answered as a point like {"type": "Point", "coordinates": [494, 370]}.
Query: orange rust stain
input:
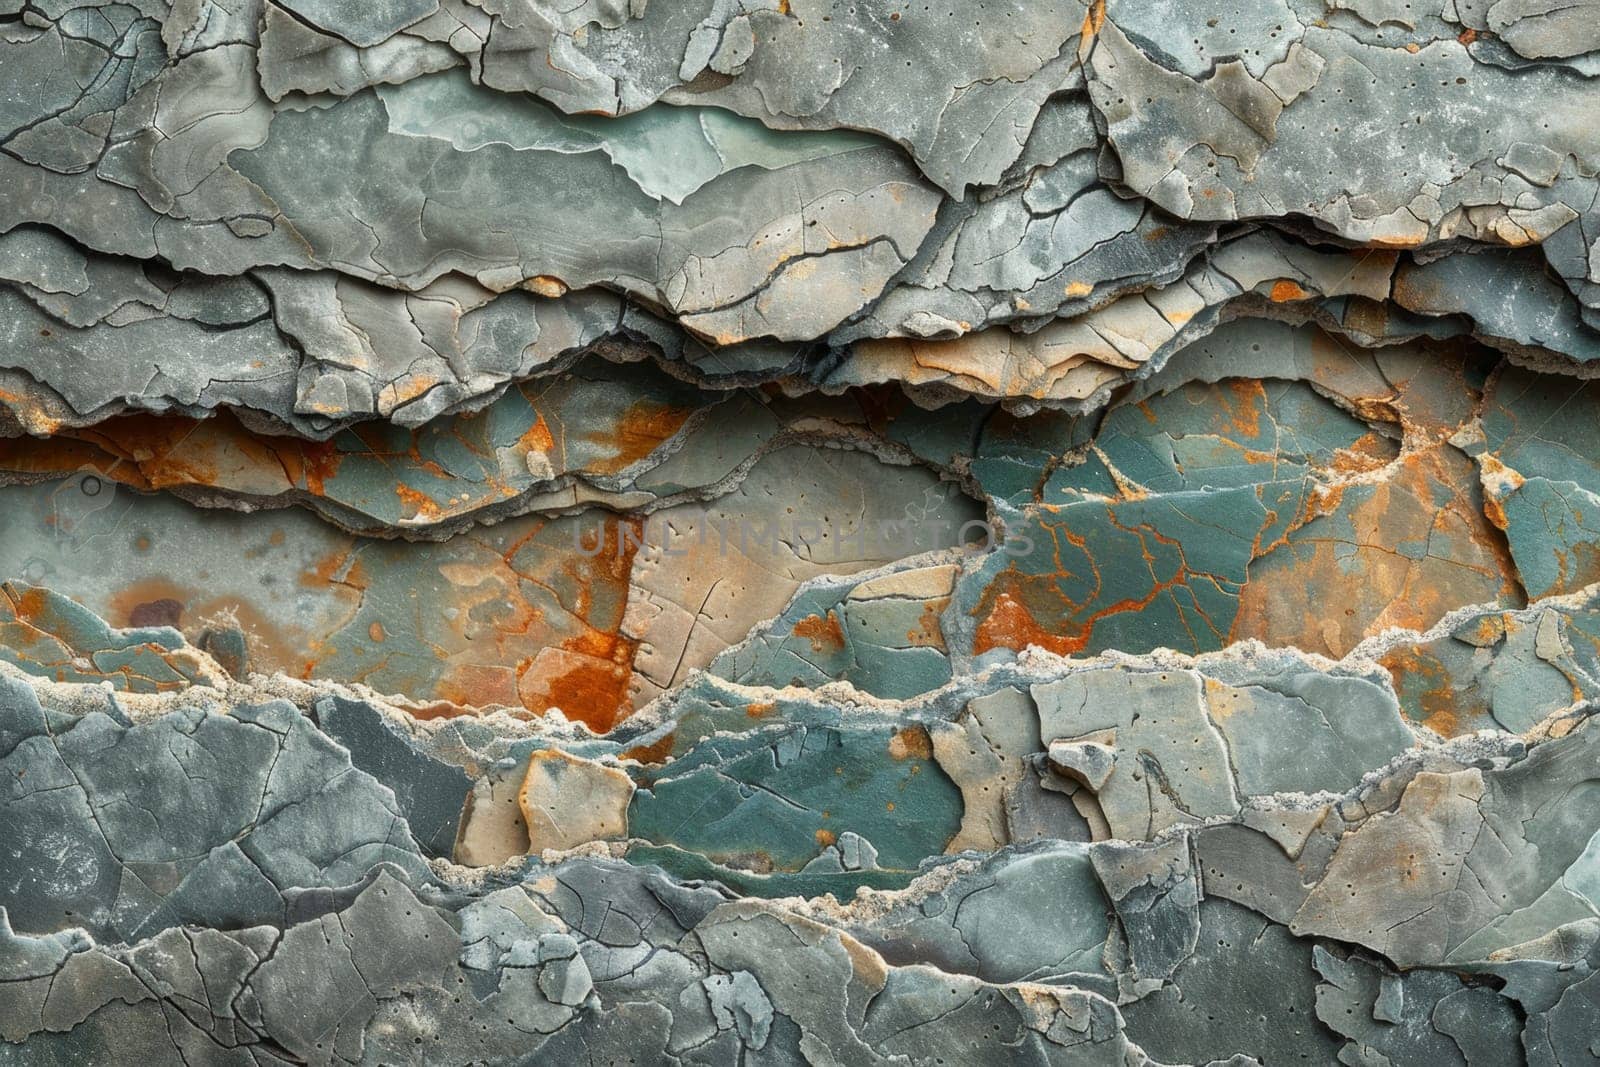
{"type": "Point", "coordinates": [537, 438]}
{"type": "Point", "coordinates": [826, 838]}
{"type": "Point", "coordinates": [376, 632]}
{"type": "Point", "coordinates": [1494, 510]}
{"type": "Point", "coordinates": [760, 709]}
{"type": "Point", "coordinates": [1367, 453]}
{"type": "Point", "coordinates": [438, 709]}
{"type": "Point", "coordinates": [929, 633]}
{"type": "Point", "coordinates": [1378, 409]}
{"type": "Point", "coordinates": [1467, 36]}
{"type": "Point", "coordinates": [1308, 597]}
{"type": "Point", "coordinates": [319, 463]}
{"type": "Point", "coordinates": [592, 693]}
{"type": "Point", "coordinates": [1285, 291]}
{"type": "Point", "coordinates": [1011, 604]}
{"type": "Point", "coordinates": [1094, 18]}
{"type": "Point", "coordinates": [326, 570]}
{"type": "Point", "coordinates": [658, 751]}
{"type": "Point", "coordinates": [470, 684]}
{"type": "Point", "coordinates": [31, 606]}
{"type": "Point", "coordinates": [63, 456]}
{"type": "Point", "coordinates": [1009, 624]}
{"type": "Point", "coordinates": [28, 412]}
{"type": "Point", "coordinates": [1247, 406]}
{"type": "Point", "coordinates": [152, 452]}
{"type": "Point", "coordinates": [596, 689]}
{"type": "Point", "coordinates": [1494, 507]}
{"type": "Point", "coordinates": [30, 602]}
{"type": "Point", "coordinates": [1012, 624]}
{"type": "Point", "coordinates": [912, 742]}
{"type": "Point", "coordinates": [416, 504]}
{"type": "Point", "coordinates": [169, 454]}
{"type": "Point", "coordinates": [431, 467]}
{"type": "Point", "coordinates": [271, 646]}
{"type": "Point", "coordinates": [1442, 711]}
{"type": "Point", "coordinates": [1489, 630]}
{"type": "Point", "coordinates": [640, 431]}
{"type": "Point", "coordinates": [409, 388]}
{"type": "Point", "coordinates": [824, 633]}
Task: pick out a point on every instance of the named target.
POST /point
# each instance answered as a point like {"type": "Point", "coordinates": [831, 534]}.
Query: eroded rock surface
{"type": "Point", "coordinates": [787, 531]}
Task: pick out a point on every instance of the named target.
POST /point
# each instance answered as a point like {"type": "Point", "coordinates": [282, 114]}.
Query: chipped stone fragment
{"type": "Point", "coordinates": [1089, 763]}
{"type": "Point", "coordinates": [568, 801]}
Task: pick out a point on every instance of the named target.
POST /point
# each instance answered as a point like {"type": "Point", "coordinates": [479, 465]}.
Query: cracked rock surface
{"type": "Point", "coordinates": [790, 531]}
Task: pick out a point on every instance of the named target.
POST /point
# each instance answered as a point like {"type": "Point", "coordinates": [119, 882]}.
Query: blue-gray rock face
{"type": "Point", "coordinates": [788, 531]}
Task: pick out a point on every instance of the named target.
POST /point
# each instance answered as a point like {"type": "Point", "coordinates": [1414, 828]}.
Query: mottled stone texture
{"type": "Point", "coordinates": [795, 531]}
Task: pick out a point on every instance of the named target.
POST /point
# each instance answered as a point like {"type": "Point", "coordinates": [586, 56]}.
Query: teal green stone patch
{"type": "Point", "coordinates": [1134, 575]}
{"type": "Point", "coordinates": [841, 885]}
{"type": "Point", "coordinates": [775, 799]}
{"type": "Point", "coordinates": [50, 635]}
{"type": "Point", "coordinates": [1541, 470]}
{"type": "Point", "coordinates": [888, 644]}
{"type": "Point", "coordinates": [1554, 532]}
